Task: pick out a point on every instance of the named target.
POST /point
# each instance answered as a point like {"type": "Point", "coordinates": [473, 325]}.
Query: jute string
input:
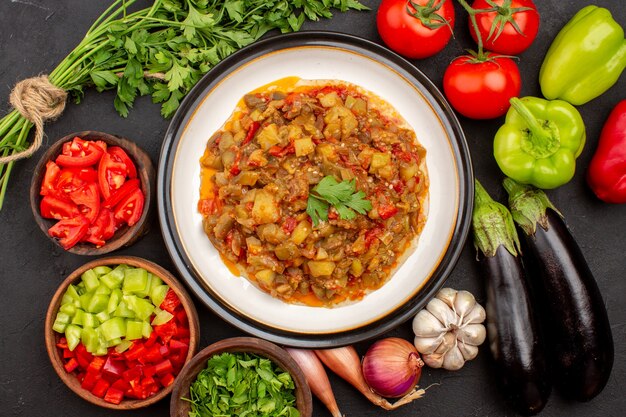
{"type": "Point", "coordinates": [38, 101]}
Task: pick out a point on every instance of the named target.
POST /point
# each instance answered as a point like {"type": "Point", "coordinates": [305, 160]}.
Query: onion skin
{"type": "Point", "coordinates": [392, 367]}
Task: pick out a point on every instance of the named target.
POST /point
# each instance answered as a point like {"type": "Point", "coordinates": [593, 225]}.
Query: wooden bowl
{"type": "Point", "coordinates": [181, 408]}
{"type": "Point", "coordinates": [53, 337]}
{"type": "Point", "coordinates": [124, 236]}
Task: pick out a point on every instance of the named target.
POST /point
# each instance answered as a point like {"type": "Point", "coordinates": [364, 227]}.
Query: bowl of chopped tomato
{"type": "Point", "coordinates": [119, 330]}
{"type": "Point", "coordinates": [92, 192]}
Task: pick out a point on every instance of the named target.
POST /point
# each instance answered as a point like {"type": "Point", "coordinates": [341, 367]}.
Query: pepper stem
{"type": "Point", "coordinates": [492, 225]}
{"type": "Point", "coordinates": [528, 206]}
{"type": "Point", "coordinates": [543, 138]}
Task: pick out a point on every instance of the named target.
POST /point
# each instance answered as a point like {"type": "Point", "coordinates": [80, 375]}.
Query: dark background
{"type": "Point", "coordinates": [36, 34]}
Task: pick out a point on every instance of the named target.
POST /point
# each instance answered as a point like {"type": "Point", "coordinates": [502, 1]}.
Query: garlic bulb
{"type": "Point", "coordinates": [449, 330]}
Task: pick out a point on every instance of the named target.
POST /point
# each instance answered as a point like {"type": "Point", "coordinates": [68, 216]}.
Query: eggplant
{"type": "Point", "coordinates": [515, 338]}
{"type": "Point", "coordinates": [580, 339]}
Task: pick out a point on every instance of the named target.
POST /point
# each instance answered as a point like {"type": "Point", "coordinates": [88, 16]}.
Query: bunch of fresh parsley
{"type": "Point", "coordinates": [162, 50]}
{"type": "Point", "coordinates": [341, 195]}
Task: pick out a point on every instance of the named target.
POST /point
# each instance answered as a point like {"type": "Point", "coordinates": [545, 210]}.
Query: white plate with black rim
{"type": "Point", "coordinates": [316, 55]}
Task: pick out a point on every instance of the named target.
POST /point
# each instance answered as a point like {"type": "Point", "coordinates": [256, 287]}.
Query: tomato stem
{"type": "Point", "coordinates": [428, 15]}
{"type": "Point", "coordinates": [472, 15]}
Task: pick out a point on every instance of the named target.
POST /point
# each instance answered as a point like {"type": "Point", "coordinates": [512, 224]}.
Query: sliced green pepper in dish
{"type": "Point", "coordinates": [585, 59]}
{"type": "Point", "coordinates": [540, 141]}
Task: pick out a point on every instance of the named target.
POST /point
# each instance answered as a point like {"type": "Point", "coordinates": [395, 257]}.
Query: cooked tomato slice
{"type": "Point", "coordinates": [102, 229]}
{"type": "Point", "coordinates": [129, 209]}
{"type": "Point", "coordinates": [111, 174]}
{"type": "Point", "coordinates": [80, 153]}
{"type": "Point", "coordinates": [387, 210]}
{"type": "Point", "coordinates": [88, 200]}
{"type": "Point", "coordinates": [70, 231]}
{"type": "Point", "coordinates": [121, 193]}
{"type": "Point", "coordinates": [52, 207]}
{"type": "Point", "coordinates": [119, 155]}
{"type": "Point", "coordinates": [72, 179]}
{"type": "Point", "coordinates": [49, 184]}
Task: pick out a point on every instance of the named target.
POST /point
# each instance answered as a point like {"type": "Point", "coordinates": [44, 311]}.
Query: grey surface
{"type": "Point", "coordinates": [36, 34]}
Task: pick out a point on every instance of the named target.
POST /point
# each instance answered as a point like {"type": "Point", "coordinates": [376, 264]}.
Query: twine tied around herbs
{"type": "Point", "coordinates": [38, 101]}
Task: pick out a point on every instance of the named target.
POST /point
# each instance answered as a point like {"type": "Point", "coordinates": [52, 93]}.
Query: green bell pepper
{"type": "Point", "coordinates": [585, 59]}
{"type": "Point", "coordinates": [540, 141]}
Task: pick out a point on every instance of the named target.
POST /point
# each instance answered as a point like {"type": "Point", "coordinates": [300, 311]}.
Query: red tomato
{"type": "Point", "coordinates": [513, 29]}
{"type": "Point", "coordinates": [87, 198]}
{"type": "Point", "coordinates": [409, 35]}
{"type": "Point", "coordinates": [48, 186]}
{"type": "Point", "coordinates": [121, 193]}
{"type": "Point", "coordinates": [111, 175]}
{"type": "Point", "coordinates": [129, 209]}
{"type": "Point", "coordinates": [481, 90]}
{"type": "Point", "coordinates": [119, 155]}
{"type": "Point", "coordinates": [102, 229]}
{"type": "Point", "coordinates": [70, 231]}
{"type": "Point", "coordinates": [72, 179]}
{"type": "Point", "coordinates": [52, 207]}
{"type": "Point", "coordinates": [79, 153]}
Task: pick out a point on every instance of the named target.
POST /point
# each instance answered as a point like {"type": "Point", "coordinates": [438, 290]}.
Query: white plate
{"type": "Point", "coordinates": [316, 56]}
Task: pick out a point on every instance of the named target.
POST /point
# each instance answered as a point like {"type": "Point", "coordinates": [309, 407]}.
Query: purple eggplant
{"type": "Point", "coordinates": [514, 336]}
{"type": "Point", "coordinates": [575, 318]}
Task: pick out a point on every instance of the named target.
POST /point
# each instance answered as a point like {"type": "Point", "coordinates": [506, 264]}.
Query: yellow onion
{"type": "Point", "coordinates": [392, 367]}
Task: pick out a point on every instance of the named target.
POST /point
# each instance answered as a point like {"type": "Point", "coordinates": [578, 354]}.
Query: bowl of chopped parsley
{"type": "Point", "coordinates": [242, 376]}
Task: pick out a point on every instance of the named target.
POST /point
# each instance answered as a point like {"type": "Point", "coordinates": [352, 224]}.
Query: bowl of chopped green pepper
{"type": "Point", "coordinates": [119, 330]}
{"type": "Point", "coordinates": [241, 376]}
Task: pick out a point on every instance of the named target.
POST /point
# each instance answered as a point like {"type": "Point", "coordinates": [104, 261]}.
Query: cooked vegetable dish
{"type": "Point", "coordinates": [314, 190]}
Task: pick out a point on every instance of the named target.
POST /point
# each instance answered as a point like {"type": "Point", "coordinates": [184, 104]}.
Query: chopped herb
{"type": "Point", "coordinates": [242, 384]}
{"type": "Point", "coordinates": [341, 195]}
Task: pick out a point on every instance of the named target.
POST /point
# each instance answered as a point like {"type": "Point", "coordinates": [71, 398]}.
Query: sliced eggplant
{"type": "Point", "coordinates": [514, 336]}
{"type": "Point", "coordinates": [575, 318]}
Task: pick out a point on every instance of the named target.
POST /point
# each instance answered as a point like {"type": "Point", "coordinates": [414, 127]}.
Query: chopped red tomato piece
{"type": "Point", "coordinates": [70, 231]}
{"type": "Point", "coordinates": [111, 174]}
{"type": "Point", "coordinates": [119, 155]}
{"type": "Point", "coordinates": [52, 207]}
{"type": "Point", "coordinates": [121, 193]}
{"type": "Point", "coordinates": [102, 229]}
{"type": "Point", "coordinates": [209, 205]}
{"type": "Point", "coordinates": [72, 179]}
{"type": "Point", "coordinates": [129, 210]}
{"type": "Point", "coordinates": [88, 200]}
{"type": "Point", "coordinates": [80, 153]}
{"type": "Point", "coordinates": [48, 186]}
{"type": "Point", "coordinates": [387, 210]}
{"type": "Point", "coordinates": [289, 225]}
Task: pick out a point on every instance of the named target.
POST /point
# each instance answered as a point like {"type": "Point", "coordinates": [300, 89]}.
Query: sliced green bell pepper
{"type": "Point", "coordinates": [540, 141]}
{"type": "Point", "coordinates": [585, 59]}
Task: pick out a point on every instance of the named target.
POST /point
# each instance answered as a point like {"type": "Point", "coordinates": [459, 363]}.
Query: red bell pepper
{"type": "Point", "coordinates": [114, 395]}
{"type": "Point", "coordinates": [254, 127]}
{"type": "Point", "coordinates": [71, 365]}
{"type": "Point", "coordinates": [113, 369]}
{"type": "Point", "coordinates": [607, 171]}
{"type": "Point", "coordinates": [170, 302]}
{"type": "Point", "coordinates": [101, 387]}
{"type": "Point", "coordinates": [90, 380]}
